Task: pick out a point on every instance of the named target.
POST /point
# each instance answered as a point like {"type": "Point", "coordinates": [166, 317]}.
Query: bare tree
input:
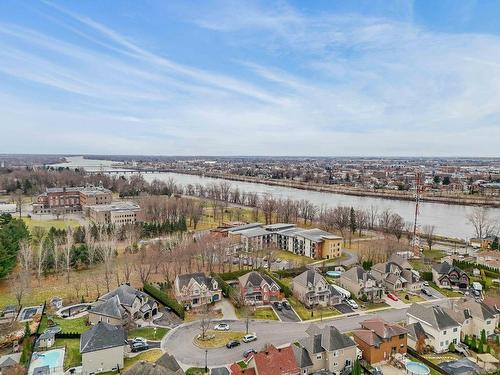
{"type": "Point", "coordinates": [481, 221]}
{"type": "Point", "coordinates": [68, 250]}
{"type": "Point", "coordinates": [396, 225]}
{"type": "Point", "coordinates": [90, 241]}
{"type": "Point", "coordinates": [17, 198]}
{"type": "Point", "coordinates": [429, 234]}
{"type": "Point", "coordinates": [107, 249]}
{"type": "Point", "coordinates": [205, 321]}
{"type": "Point", "coordinates": [20, 286]}
{"type": "Point", "coordinates": [25, 256]}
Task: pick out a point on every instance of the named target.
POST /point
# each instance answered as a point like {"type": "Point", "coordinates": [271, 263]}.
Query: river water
{"type": "Point", "coordinates": [449, 220]}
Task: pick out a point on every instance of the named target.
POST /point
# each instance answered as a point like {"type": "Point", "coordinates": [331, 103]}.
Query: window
{"type": "Point", "coordinates": [441, 343]}
{"type": "Point", "coordinates": [335, 364]}
{"type": "Point", "coordinates": [318, 356]}
{"type": "Point", "coordinates": [336, 353]}
{"type": "Point", "coordinates": [444, 333]}
{"type": "Point", "coordinates": [402, 336]}
{"type": "Point", "coordinates": [488, 322]}
{"type": "Point", "coordinates": [455, 329]}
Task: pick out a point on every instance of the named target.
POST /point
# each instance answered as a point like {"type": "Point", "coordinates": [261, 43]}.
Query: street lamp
{"type": "Point", "coordinates": [206, 361]}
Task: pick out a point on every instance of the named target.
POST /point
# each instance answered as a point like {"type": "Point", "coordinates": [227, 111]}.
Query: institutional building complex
{"type": "Point", "coordinates": [70, 199]}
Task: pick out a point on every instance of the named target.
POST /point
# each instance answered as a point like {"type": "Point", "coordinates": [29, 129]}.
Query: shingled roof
{"type": "Point", "coordinates": [102, 336]}
{"type": "Point", "coordinates": [125, 294]}
{"type": "Point", "coordinates": [110, 307]}
{"type": "Point", "coordinates": [435, 316]}
{"type": "Point", "coordinates": [199, 277]}
{"type": "Point", "coordinates": [308, 278]}
{"type": "Point", "coordinates": [257, 279]}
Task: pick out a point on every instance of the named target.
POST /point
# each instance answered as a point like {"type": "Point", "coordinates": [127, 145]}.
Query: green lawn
{"type": "Point", "coordinates": [411, 297]}
{"type": "Point", "coordinates": [78, 325]}
{"type": "Point", "coordinates": [291, 257]}
{"type": "Point", "coordinates": [149, 356]}
{"type": "Point", "coordinates": [261, 313]}
{"type": "Point", "coordinates": [370, 305]}
{"type": "Point", "coordinates": [305, 313]}
{"type": "Point", "coordinates": [47, 224]}
{"type": "Point", "coordinates": [72, 356]}
{"type": "Point", "coordinates": [445, 292]}
{"type": "Point", "coordinates": [195, 371]}
{"type": "Point", "coordinates": [148, 333]}
{"type": "Point", "coordinates": [433, 254]}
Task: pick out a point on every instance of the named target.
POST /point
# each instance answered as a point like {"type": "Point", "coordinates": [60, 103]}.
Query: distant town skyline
{"type": "Point", "coordinates": [224, 78]}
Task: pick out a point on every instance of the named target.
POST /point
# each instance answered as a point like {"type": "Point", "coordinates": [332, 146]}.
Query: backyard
{"type": "Point", "coordinates": [77, 325]}
{"type": "Point", "coordinates": [72, 356]}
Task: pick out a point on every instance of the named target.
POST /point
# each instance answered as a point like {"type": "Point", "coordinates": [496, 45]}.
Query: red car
{"type": "Point", "coordinates": [392, 296]}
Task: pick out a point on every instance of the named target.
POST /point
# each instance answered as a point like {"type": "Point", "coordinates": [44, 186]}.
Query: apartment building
{"type": "Point", "coordinates": [61, 200]}
{"type": "Point", "coordinates": [313, 243]}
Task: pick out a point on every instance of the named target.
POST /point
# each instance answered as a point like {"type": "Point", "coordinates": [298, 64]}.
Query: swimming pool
{"type": "Point", "coordinates": [334, 274]}
{"type": "Point", "coordinates": [52, 358]}
{"type": "Point", "coordinates": [416, 368]}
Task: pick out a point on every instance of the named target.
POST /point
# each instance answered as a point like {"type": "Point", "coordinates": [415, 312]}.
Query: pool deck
{"type": "Point", "coordinates": [55, 369]}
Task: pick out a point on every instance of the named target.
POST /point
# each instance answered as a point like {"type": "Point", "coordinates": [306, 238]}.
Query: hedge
{"type": "Point", "coordinates": [228, 290]}
{"type": "Point", "coordinates": [488, 271]}
{"type": "Point", "coordinates": [286, 290]}
{"type": "Point", "coordinates": [290, 272]}
{"type": "Point", "coordinates": [232, 275]}
{"type": "Point", "coordinates": [427, 275]}
{"type": "Point", "coordinates": [164, 299]}
{"type": "Point", "coordinates": [67, 335]}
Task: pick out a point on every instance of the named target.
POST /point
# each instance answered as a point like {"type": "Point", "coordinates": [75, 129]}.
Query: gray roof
{"type": "Point", "coordinates": [169, 362]}
{"type": "Point", "coordinates": [308, 278]}
{"type": "Point", "coordinates": [278, 226]}
{"type": "Point", "coordinates": [301, 356]}
{"type": "Point", "coordinates": [358, 273]}
{"type": "Point", "coordinates": [165, 365]}
{"type": "Point", "coordinates": [199, 277]}
{"type": "Point", "coordinates": [327, 339]}
{"type": "Point", "coordinates": [415, 330]}
{"type": "Point", "coordinates": [110, 307]}
{"type": "Point", "coordinates": [243, 227]}
{"type": "Point", "coordinates": [125, 293]}
{"type": "Point", "coordinates": [43, 370]}
{"type": "Point", "coordinates": [468, 307]}
{"type": "Point", "coordinates": [102, 336]}
{"type": "Point", "coordinates": [8, 362]}
{"type": "Point", "coordinates": [254, 232]}
{"type": "Point", "coordinates": [255, 278]}
{"type": "Point", "coordinates": [445, 268]}
{"type": "Point", "coordinates": [436, 316]}
{"type": "Point", "coordinates": [316, 234]}
{"type": "Point", "coordinates": [219, 371]}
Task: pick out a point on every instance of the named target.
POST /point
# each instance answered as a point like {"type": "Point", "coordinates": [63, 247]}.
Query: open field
{"type": "Point", "coordinates": [217, 339]}
{"type": "Point", "coordinates": [47, 224]}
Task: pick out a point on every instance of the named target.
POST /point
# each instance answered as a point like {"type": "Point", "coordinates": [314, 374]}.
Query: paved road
{"type": "Point", "coordinates": [179, 341]}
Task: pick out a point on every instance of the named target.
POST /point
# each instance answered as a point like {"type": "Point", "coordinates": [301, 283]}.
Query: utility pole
{"type": "Point", "coordinates": [418, 191]}
{"type": "Point", "coordinates": [206, 361]}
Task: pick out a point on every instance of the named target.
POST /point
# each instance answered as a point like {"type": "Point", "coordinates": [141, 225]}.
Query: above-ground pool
{"type": "Point", "coordinates": [334, 274]}
{"type": "Point", "coordinates": [52, 358]}
{"type": "Point", "coordinates": [416, 368]}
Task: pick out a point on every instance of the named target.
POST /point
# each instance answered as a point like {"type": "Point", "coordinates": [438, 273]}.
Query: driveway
{"type": "Point", "coordinates": [227, 309]}
{"type": "Point", "coordinates": [286, 315]}
{"type": "Point", "coordinates": [344, 308]}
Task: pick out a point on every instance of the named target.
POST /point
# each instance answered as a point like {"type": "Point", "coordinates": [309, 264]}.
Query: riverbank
{"type": "Point", "coordinates": [378, 193]}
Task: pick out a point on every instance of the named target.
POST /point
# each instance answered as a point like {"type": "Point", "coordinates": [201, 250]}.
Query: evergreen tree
{"type": "Point", "coordinates": [356, 368]}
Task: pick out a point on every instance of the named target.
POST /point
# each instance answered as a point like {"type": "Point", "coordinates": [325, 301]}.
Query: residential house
{"type": "Point", "coordinates": [325, 349]}
{"type": "Point", "coordinates": [489, 258]}
{"type": "Point", "coordinates": [46, 340]}
{"type": "Point", "coordinates": [380, 340]}
{"type": "Point", "coordinates": [196, 289]}
{"type": "Point", "coordinates": [257, 289]}
{"type": "Point", "coordinates": [483, 243]}
{"type": "Point", "coordinates": [165, 365]}
{"type": "Point", "coordinates": [312, 290]}
{"type": "Point", "coordinates": [270, 361]}
{"type": "Point", "coordinates": [441, 329]}
{"type": "Point", "coordinates": [446, 275]}
{"type": "Point", "coordinates": [360, 283]}
{"type": "Point", "coordinates": [474, 317]}
{"type": "Point", "coordinates": [397, 274]}
{"type": "Point", "coordinates": [102, 348]}
{"type": "Point", "coordinates": [121, 305]}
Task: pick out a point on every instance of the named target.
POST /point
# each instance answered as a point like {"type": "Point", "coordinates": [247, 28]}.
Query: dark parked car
{"type": "Point", "coordinates": [246, 353]}
{"type": "Point", "coordinates": [232, 344]}
{"type": "Point", "coordinates": [286, 305]}
{"type": "Point", "coordinates": [278, 306]}
{"type": "Point", "coordinates": [139, 346]}
{"type": "Point", "coordinates": [426, 292]}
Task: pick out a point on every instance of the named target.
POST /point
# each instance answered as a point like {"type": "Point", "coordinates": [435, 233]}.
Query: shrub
{"type": "Point", "coordinates": [451, 347]}
{"type": "Point", "coordinates": [427, 275]}
{"type": "Point", "coordinates": [364, 298]}
{"type": "Point", "coordinates": [286, 290]}
{"type": "Point", "coordinates": [165, 299]}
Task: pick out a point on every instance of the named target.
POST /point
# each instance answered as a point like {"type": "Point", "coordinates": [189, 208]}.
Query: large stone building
{"type": "Point", "coordinates": [313, 243]}
{"type": "Point", "coordinates": [117, 213]}
{"type": "Point", "coordinates": [70, 199]}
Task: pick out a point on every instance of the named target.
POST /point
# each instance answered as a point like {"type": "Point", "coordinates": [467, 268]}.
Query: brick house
{"type": "Point", "coordinates": [380, 340]}
{"type": "Point", "coordinates": [258, 289]}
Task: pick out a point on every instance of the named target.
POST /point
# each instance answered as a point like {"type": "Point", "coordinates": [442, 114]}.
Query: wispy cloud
{"type": "Point", "coordinates": [291, 82]}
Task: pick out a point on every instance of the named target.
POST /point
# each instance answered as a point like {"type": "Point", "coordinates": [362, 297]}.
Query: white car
{"type": "Point", "coordinates": [352, 303]}
{"type": "Point", "coordinates": [249, 338]}
{"type": "Point", "coordinates": [222, 327]}
{"type": "Point", "coordinates": [139, 339]}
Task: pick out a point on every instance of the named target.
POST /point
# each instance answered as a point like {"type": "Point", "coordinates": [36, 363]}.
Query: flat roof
{"type": "Point", "coordinates": [115, 206]}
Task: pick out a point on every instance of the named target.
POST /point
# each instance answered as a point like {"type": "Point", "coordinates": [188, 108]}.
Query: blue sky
{"type": "Point", "coordinates": [334, 78]}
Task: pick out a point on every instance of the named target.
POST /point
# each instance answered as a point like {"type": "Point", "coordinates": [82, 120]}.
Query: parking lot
{"type": "Point", "coordinates": [286, 315]}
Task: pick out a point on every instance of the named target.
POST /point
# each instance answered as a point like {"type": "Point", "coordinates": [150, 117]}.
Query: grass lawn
{"type": "Point", "coordinates": [432, 371]}
{"type": "Point", "coordinates": [148, 333]}
{"type": "Point", "coordinates": [195, 371]}
{"type": "Point", "coordinates": [218, 339]}
{"type": "Point", "coordinates": [148, 356]}
{"type": "Point", "coordinates": [72, 355]}
{"type": "Point", "coordinates": [445, 292]}
{"type": "Point", "coordinates": [261, 313]}
{"type": "Point", "coordinates": [291, 257]}
{"type": "Point", "coordinates": [412, 297]}
{"type": "Point", "coordinates": [370, 305]}
{"type": "Point", "coordinates": [305, 313]}
{"type": "Point", "coordinates": [77, 325]}
{"type": "Point", "coordinates": [47, 224]}
{"type": "Point", "coordinates": [433, 254]}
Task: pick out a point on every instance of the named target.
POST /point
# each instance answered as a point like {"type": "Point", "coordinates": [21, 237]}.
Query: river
{"type": "Point", "coordinates": [450, 220]}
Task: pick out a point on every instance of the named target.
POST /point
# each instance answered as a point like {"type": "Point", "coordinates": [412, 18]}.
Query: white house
{"type": "Point", "coordinates": [441, 329]}
{"type": "Point", "coordinates": [474, 317]}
